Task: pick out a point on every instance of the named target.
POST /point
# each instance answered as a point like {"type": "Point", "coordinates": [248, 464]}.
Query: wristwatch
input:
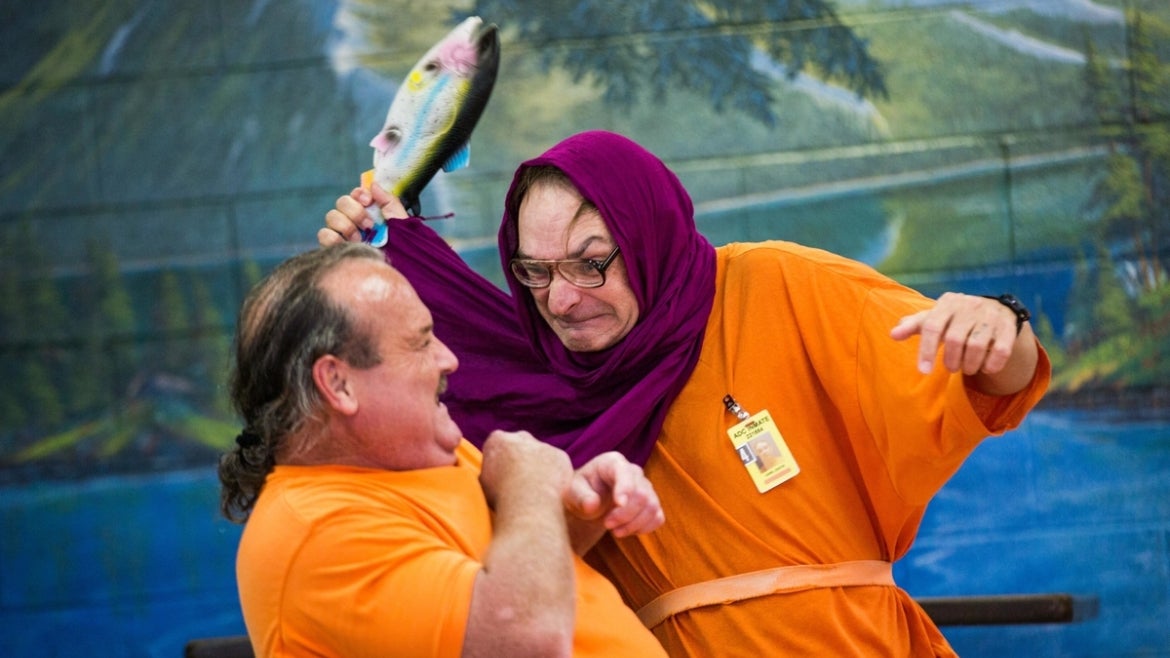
{"type": "Point", "coordinates": [1009, 300]}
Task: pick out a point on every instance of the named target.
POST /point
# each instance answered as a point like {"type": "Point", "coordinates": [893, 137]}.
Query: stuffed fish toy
{"type": "Point", "coordinates": [431, 117]}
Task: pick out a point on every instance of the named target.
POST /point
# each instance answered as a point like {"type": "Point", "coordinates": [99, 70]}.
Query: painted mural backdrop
{"type": "Point", "coordinates": [160, 156]}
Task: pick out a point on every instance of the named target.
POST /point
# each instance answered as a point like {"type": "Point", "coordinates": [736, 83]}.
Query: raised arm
{"type": "Point", "coordinates": [524, 598]}
{"type": "Point", "coordinates": [978, 337]}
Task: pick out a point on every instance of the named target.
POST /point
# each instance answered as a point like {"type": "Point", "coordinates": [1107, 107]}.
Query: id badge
{"type": "Point", "coordinates": [763, 451]}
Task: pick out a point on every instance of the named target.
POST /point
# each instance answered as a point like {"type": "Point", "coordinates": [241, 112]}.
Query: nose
{"type": "Point", "coordinates": [445, 358]}
{"type": "Point", "coordinates": [562, 296]}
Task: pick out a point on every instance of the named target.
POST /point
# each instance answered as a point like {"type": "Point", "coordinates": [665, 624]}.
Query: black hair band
{"type": "Point", "coordinates": [248, 439]}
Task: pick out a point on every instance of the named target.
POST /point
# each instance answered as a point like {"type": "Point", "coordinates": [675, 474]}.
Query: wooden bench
{"type": "Point", "coordinates": [1009, 609]}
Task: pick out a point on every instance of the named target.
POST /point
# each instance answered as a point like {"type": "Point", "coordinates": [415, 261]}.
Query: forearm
{"type": "Point", "coordinates": [523, 604]}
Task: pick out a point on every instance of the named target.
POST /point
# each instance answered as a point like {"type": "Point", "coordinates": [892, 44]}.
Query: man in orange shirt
{"type": "Point", "coordinates": [370, 527]}
{"type": "Point", "coordinates": [627, 330]}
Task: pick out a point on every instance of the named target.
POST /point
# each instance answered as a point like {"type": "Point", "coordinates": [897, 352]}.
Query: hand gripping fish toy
{"type": "Point", "coordinates": [431, 117]}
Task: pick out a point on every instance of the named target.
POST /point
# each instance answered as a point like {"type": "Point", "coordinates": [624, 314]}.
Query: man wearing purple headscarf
{"type": "Point", "coordinates": [626, 330]}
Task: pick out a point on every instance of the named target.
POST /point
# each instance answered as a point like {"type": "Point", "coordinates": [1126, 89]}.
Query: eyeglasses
{"type": "Point", "coordinates": [581, 272]}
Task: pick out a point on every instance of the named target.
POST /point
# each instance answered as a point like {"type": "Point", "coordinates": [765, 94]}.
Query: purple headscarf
{"type": "Point", "coordinates": [514, 372]}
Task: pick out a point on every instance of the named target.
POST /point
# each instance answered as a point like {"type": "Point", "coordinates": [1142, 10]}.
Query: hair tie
{"type": "Point", "coordinates": [247, 439]}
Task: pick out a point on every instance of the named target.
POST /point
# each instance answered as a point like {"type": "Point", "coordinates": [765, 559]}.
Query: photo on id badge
{"type": "Point", "coordinates": [767, 453]}
{"type": "Point", "coordinates": [763, 452]}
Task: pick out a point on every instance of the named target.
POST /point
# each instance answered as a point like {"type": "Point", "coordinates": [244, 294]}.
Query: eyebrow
{"type": "Point", "coordinates": [589, 241]}
{"type": "Point", "coordinates": [420, 337]}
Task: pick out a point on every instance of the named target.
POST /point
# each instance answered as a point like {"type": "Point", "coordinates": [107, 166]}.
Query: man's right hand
{"type": "Point", "coordinates": [349, 216]}
{"type": "Point", "coordinates": [516, 463]}
{"type": "Point", "coordinates": [524, 598]}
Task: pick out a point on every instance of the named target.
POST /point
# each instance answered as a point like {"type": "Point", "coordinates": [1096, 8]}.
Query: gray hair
{"type": "Point", "coordinates": [552, 176]}
{"type": "Point", "coordinates": [286, 323]}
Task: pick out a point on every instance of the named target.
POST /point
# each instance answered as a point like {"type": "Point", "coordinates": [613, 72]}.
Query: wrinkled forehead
{"type": "Point", "coordinates": [550, 211]}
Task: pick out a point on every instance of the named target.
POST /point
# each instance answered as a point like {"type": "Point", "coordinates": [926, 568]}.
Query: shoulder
{"type": "Point", "coordinates": [790, 255]}
{"type": "Point", "coordinates": [318, 494]}
{"type": "Point", "coordinates": [778, 273]}
{"type": "Point", "coordinates": [796, 263]}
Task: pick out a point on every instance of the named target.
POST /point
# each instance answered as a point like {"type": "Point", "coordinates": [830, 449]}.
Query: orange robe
{"type": "Point", "coordinates": [344, 561]}
{"type": "Point", "coordinates": [804, 334]}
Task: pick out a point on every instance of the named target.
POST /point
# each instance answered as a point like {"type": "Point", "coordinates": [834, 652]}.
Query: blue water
{"type": "Point", "coordinates": [1073, 501]}
{"type": "Point", "coordinates": [121, 566]}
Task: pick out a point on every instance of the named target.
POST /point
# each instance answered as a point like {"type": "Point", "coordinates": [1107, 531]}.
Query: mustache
{"type": "Point", "coordinates": [442, 384]}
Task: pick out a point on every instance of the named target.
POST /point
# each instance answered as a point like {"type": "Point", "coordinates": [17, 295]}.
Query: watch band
{"type": "Point", "coordinates": [1012, 302]}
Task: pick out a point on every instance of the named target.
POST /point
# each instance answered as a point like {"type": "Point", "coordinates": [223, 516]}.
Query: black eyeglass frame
{"type": "Point", "coordinates": [600, 265]}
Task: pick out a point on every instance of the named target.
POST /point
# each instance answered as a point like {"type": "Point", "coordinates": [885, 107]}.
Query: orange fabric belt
{"type": "Point", "coordinates": [762, 583]}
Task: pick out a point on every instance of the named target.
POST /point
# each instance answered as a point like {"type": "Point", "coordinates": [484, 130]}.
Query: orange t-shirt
{"type": "Point", "coordinates": [804, 334]}
{"type": "Point", "coordinates": [344, 561]}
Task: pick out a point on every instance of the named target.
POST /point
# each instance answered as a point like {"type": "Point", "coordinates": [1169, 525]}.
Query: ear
{"type": "Point", "coordinates": [331, 376]}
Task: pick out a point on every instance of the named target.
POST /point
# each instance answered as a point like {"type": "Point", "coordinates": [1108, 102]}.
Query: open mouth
{"type": "Point", "coordinates": [487, 41]}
